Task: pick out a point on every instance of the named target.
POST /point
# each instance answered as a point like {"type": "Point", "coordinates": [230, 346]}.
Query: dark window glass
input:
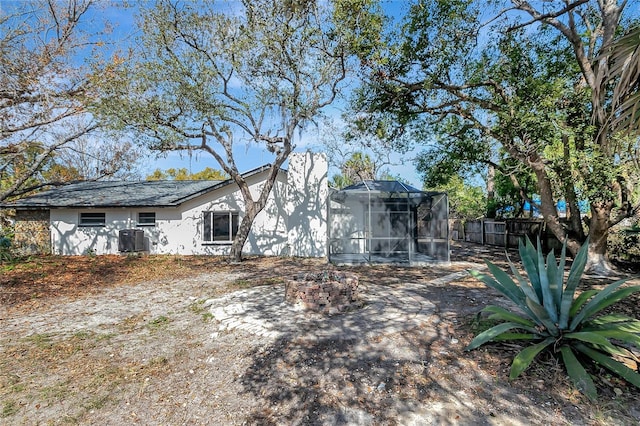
{"type": "Point", "coordinates": [146, 219]}
{"type": "Point", "coordinates": [220, 226]}
{"type": "Point", "coordinates": [92, 219]}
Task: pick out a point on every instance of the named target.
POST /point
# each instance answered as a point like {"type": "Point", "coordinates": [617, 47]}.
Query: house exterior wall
{"type": "Point", "coordinates": [307, 197]}
{"type": "Point", "coordinates": [292, 223]}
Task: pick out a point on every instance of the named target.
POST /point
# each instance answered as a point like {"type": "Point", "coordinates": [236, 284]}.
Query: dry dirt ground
{"type": "Point", "coordinates": [193, 340]}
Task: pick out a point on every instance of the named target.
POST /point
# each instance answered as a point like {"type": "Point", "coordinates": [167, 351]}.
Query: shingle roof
{"type": "Point", "coordinates": [122, 194]}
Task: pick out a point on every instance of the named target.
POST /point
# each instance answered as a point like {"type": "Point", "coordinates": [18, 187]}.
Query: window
{"type": "Point", "coordinates": [92, 219]}
{"type": "Point", "coordinates": [147, 219]}
{"type": "Point", "coordinates": [220, 226]}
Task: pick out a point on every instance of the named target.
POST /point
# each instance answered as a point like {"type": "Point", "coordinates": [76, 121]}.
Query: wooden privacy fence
{"type": "Point", "coordinates": [505, 233]}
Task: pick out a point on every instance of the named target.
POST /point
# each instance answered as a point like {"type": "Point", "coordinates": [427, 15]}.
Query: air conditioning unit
{"type": "Point", "coordinates": [131, 240]}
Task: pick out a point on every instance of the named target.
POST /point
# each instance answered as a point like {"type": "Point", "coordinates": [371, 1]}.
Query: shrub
{"type": "Point", "coordinates": [550, 318]}
{"type": "Point", "coordinates": [624, 245]}
{"type": "Point", "coordinates": [5, 249]}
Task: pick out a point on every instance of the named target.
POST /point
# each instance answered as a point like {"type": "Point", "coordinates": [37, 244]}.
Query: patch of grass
{"type": "Point", "coordinates": [83, 335]}
{"type": "Point", "coordinates": [97, 402]}
{"type": "Point", "coordinates": [241, 284]}
{"type": "Point", "coordinates": [479, 323]}
{"type": "Point", "coordinates": [271, 281]}
{"type": "Point", "coordinates": [158, 322]}
{"type": "Point", "coordinates": [198, 308]}
{"type": "Point", "coordinates": [9, 408]}
{"type": "Point", "coordinates": [40, 340]}
{"type": "Point", "coordinates": [57, 392]}
{"type": "Point", "coordinates": [8, 267]}
{"type": "Point", "coordinates": [13, 383]}
{"type": "Point", "coordinates": [105, 336]}
{"type": "Point", "coordinates": [18, 387]}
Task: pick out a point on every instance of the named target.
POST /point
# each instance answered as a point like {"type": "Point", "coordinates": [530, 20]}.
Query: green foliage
{"type": "Point", "coordinates": [212, 76]}
{"type": "Point", "coordinates": [208, 77]}
{"type": "Point", "coordinates": [550, 318]}
{"type": "Point", "coordinates": [624, 245]}
{"type": "Point", "coordinates": [623, 69]}
{"type": "Point", "coordinates": [508, 200]}
{"type": "Point", "coordinates": [183, 174]}
{"type": "Point", "coordinates": [523, 103]}
{"type": "Point", "coordinates": [6, 239]}
{"type": "Point", "coordinates": [357, 168]}
{"type": "Point", "coordinates": [340, 181]}
{"type": "Point", "coordinates": [5, 249]}
{"type": "Point", "coordinates": [465, 201]}
{"type": "Point", "coordinates": [158, 322]}
{"type": "Point", "coordinates": [9, 408]}
{"type": "Point", "coordinates": [361, 23]}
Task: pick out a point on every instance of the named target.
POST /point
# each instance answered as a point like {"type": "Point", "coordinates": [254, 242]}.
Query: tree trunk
{"type": "Point", "coordinates": [598, 262]}
{"type": "Point", "coordinates": [548, 207]}
{"type": "Point", "coordinates": [572, 208]}
{"type": "Point", "coordinates": [243, 231]}
{"type": "Point", "coordinates": [252, 208]}
{"type": "Point", "coordinates": [491, 194]}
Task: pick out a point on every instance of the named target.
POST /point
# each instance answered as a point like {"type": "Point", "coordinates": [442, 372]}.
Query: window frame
{"type": "Point", "coordinates": [92, 219]}
{"type": "Point", "coordinates": [209, 229]}
{"type": "Point", "coordinates": [149, 215]}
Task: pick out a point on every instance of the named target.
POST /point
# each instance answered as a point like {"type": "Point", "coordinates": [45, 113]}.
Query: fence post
{"type": "Point", "coordinates": [506, 234]}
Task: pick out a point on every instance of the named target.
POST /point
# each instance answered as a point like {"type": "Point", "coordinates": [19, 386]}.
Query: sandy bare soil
{"type": "Point", "coordinates": [203, 342]}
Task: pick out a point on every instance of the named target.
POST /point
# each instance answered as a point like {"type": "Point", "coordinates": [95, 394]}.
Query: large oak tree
{"type": "Point", "coordinates": [539, 86]}
{"type": "Point", "coordinates": [220, 76]}
{"type": "Point", "coordinates": [46, 86]}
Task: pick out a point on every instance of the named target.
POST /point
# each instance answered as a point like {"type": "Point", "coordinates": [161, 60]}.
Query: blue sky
{"type": "Point", "coordinates": [249, 157]}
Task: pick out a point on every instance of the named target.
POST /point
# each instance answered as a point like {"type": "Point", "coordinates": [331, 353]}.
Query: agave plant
{"type": "Point", "coordinates": [549, 317]}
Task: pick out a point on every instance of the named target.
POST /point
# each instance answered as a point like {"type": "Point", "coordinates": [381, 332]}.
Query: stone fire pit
{"type": "Point", "coordinates": [327, 292]}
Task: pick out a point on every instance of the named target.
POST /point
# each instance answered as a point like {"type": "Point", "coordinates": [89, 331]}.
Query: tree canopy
{"type": "Point", "coordinates": [46, 89]}
{"type": "Point", "coordinates": [528, 89]}
{"type": "Point", "coordinates": [183, 174]}
{"type": "Point", "coordinates": [217, 77]}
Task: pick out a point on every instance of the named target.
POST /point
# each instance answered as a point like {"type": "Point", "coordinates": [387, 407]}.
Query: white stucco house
{"type": "Point", "coordinates": [183, 217]}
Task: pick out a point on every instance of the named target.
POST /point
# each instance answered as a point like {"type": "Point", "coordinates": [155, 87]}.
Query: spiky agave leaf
{"type": "Point", "coordinates": [575, 274]}
{"type": "Point", "coordinates": [499, 313]}
{"type": "Point", "coordinates": [555, 277]}
{"type": "Point", "coordinates": [541, 316]}
{"type": "Point", "coordinates": [580, 302]}
{"type": "Point", "coordinates": [522, 361]}
{"type": "Point", "coordinates": [605, 298]}
{"type": "Point", "coordinates": [614, 321]}
{"type": "Point", "coordinates": [492, 333]}
{"type": "Point", "coordinates": [507, 287]}
{"type": "Point", "coordinates": [516, 336]}
{"type": "Point", "coordinates": [561, 266]}
{"type": "Point", "coordinates": [605, 360]}
{"type": "Point", "coordinates": [528, 256]}
{"type": "Point", "coordinates": [592, 338]}
{"type": "Point", "coordinates": [547, 296]}
{"type": "Point", "coordinates": [528, 290]}
{"type": "Point", "coordinates": [616, 333]}
{"type": "Point", "coordinates": [579, 376]}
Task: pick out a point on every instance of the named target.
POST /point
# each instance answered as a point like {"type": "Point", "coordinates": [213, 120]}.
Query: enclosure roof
{"type": "Point", "coordinates": [381, 186]}
{"type": "Point", "coordinates": [161, 193]}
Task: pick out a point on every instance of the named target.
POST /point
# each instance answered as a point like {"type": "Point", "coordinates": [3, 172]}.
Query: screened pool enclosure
{"type": "Point", "coordinates": [387, 222]}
